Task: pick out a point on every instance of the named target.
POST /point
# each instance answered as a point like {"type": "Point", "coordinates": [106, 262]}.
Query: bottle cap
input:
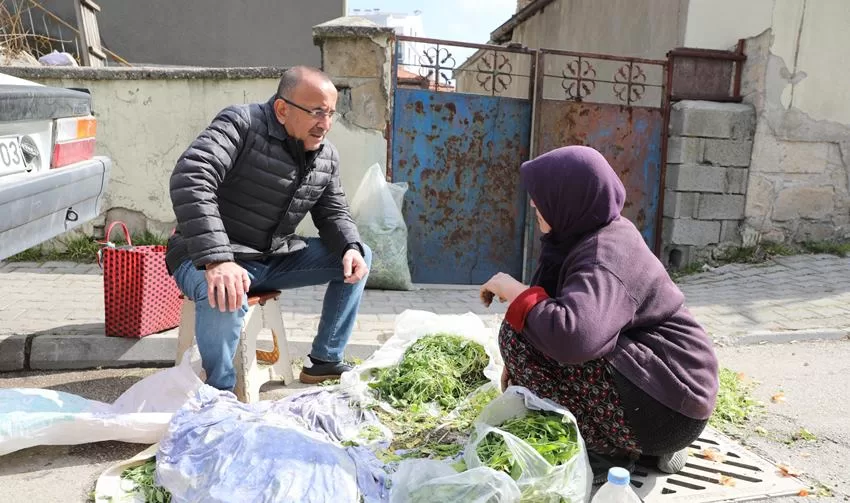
{"type": "Point", "coordinates": [618, 476]}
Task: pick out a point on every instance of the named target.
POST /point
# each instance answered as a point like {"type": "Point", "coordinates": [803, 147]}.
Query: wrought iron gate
{"type": "Point", "coordinates": [460, 133]}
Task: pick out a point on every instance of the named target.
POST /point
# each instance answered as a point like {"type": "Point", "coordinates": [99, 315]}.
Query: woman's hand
{"type": "Point", "coordinates": [503, 286]}
{"type": "Point", "coordinates": [506, 379]}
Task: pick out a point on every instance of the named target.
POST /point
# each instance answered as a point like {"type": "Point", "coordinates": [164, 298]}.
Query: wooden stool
{"type": "Point", "coordinates": [253, 367]}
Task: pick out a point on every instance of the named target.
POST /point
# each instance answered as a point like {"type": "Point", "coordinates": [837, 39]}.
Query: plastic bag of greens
{"type": "Point", "coordinates": [550, 464]}
{"type": "Point", "coordinates": [426, 480]}
{"type": "Point", "coordinates": [376, 208]}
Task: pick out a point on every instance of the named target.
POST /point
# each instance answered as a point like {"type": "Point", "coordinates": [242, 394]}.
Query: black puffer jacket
{"type": "Point", "coordinates": [243, 186]}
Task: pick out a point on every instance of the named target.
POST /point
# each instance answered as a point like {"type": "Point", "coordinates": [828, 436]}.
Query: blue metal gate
{"type": "Point", "coordinates": [459, 136]}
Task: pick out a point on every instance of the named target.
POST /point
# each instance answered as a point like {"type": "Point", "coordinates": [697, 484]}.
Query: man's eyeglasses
{"type": "Point", "coordinates": [316, 114]}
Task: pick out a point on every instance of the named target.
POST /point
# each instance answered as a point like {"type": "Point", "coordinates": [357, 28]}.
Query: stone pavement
{"type": "Point", "coordinates": [51, 314]}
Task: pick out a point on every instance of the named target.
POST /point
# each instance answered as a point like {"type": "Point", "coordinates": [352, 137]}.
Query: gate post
{"type": "Point", "coordinates": [358, 55]}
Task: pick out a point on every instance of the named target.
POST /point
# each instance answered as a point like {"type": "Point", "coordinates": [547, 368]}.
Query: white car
{"type": "Point", "coordinates": [50, 180]}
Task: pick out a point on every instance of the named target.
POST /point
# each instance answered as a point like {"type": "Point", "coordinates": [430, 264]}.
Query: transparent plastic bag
{"type": "Point", "coordinates": [377, 210]}
{"type": "Point", "coordinates": [539, 481]}
{"type": "Point", "coordinates": [30, 417]}
{"type": "Point", "coordinates": [220, 450]}
{"type": "Point", "coordinates": [426, 480]}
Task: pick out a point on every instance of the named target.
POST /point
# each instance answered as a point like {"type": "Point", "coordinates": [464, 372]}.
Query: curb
{"type": "Point", "coordinates": [94, 351]}
{"type": "Point", "coordinates": [783, 337]}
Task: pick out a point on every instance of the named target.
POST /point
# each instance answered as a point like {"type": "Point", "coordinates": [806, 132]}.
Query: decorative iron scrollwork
{"type": "Point", "coordinates": [433, 64]}
{"type": "Point", "coordinates": [494, 72]}
{"type": "Point", "coordinates": [579, 79]}
{"type": "Point", "coordinates": [629, 83]}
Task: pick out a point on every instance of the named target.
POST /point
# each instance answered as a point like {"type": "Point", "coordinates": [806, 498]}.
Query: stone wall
{"type": "Point", "coordinates": [708, 158]}
{"type": "Point", "coordinates": [799, 187]}
{"type": "Point", "coordinates": [147, 117]}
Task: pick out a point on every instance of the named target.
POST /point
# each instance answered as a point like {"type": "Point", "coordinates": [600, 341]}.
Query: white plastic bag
{"type": "Point", "coordinates": [410, 326]}
{"type": "Point", "coordinates": [427, 480]}
{"type": "Point", "coordinates": [377, 210]}
{"type": "Point", "coordinates": [539, 481]}
{"type": "Point", "coordinates": [30, 417]}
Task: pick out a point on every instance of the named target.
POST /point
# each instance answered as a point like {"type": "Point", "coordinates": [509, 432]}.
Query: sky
{"type": "Point", "coordinates": [462, 20]}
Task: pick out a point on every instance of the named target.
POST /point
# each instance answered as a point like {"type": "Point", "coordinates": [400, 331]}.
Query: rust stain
{"type": "Point", "coordinates": [611, 129]}
{"type": "Point", "coordinates": [420, 108]}
{"type": "Point", "coordinates": [452, 110]}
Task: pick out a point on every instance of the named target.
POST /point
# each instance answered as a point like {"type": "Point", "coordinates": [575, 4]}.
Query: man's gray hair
{"type": "Point", "coordinates": [293, 76]}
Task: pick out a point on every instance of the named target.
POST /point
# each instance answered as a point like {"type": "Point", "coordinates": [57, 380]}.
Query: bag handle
{"type": "Point", "coordinates": [106, 244]}
{"type": "Point", "coordinates": [123, 227]}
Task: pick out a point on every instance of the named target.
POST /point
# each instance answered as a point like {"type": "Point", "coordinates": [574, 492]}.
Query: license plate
{"type": "Point", "coordinates": [11, 155]}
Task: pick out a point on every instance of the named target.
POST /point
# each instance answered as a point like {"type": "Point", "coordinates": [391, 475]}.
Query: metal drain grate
{"type": "Point", "coordinates": [734, 474]}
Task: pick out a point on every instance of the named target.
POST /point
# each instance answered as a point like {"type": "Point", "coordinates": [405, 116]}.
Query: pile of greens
{"type": "Point", "coordinates": [555, 440]}
{"type": "Point", "coordinates": [440, 368]}
{"type": "Point", "coordinates": [143, 477]}
{"type": "Point", "coordinates": [419, 433]}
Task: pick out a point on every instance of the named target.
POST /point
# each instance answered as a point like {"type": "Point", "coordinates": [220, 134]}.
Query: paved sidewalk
{"type": "Point", "coordinates": [51, 314]}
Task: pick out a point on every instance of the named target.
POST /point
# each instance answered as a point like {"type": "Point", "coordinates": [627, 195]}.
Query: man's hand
{"type": "Point", "coordinates": [353, 267]}
{"type": "Point", "coordinates": [227, 282]}
{"type": "Point", "coordinates": [503, 286]}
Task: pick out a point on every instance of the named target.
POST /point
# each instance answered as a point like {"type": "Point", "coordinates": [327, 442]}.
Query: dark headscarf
{"type": "Point", "coordinates": [576, 192]}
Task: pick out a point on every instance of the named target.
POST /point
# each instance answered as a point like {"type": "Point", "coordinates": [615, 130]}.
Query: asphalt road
{"type": "Point", "coordinates": [813, 377]}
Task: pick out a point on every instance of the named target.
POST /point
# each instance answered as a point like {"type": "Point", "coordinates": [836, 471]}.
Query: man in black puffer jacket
{"type": "Point", "coordinates": [239, 192]}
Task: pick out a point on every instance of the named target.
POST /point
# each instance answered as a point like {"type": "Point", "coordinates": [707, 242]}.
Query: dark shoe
{"type": "Point", "coordinates": [600, 464]}
{"type": "Point", "coordinates": [315, 371]}
{"type": "Point", "coordinates": [674, 462]}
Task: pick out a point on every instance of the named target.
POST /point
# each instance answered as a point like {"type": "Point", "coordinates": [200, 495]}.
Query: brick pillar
{"type": "Point", "coordinates": [708, 159]}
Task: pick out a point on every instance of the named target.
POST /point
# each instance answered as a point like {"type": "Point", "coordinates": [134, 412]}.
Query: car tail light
{"type": "Point", "coordinates": [75, 140]}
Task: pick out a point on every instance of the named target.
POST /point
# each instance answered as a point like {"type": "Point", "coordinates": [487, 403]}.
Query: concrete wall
{"type": "Point", "coordinates": [233, 33]}
{"type": "Point", "coordinates": [647, 29]}
{"type": "Point", "coordinates": [718, 24]}
{"type": "Point", "coordinates": [148, 117]}
{"type": "Point", "coordinates": [800, 169]}
{"type": "Point", "coordinates": [708, 157]}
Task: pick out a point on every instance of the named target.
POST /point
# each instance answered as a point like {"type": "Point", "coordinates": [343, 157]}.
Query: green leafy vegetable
{"type": "Point", "coordinates": [143, 477]}
{"type": "Point", "coordinates": [735, 404]}
{"type": "Point", "coordinates": [440, 368]}
{"type": "Point", "coordinates": [555, 440]}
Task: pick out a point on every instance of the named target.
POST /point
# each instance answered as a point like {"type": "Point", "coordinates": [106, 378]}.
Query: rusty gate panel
{"type": "Point", "coordinates": [629, 138]}
{"type": "Point", "coordinates": [617, 106]}
{"type": "Point", "coordinates": [460, 155]}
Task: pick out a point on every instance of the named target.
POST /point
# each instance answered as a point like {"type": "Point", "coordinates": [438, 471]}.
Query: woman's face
{"type": "Point", "coordinates": [545, 228]}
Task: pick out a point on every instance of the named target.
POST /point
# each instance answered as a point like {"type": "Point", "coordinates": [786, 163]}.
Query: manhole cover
{"type": "Point", "coordinates": [718, 469]}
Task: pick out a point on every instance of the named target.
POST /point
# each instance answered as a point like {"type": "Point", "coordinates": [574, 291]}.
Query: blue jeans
{"type": "Point", "coordinates": [217, 333]}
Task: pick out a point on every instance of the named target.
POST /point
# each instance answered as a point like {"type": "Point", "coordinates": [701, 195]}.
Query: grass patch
{"type": "Point", "coordinates": [735, 404]}
{"type": "Point", "coordinates": [757, 254]}
{"type": "Point", "coordinates": [688, 270]}
{"type": "Point", "coordinates": [828, 247]}
{"type": "Point", "coordinates": [80, 248]}
{"type": "Point", "coordinates": [763, 252]}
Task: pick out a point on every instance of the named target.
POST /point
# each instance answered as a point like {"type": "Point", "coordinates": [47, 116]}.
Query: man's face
{"type": "Point", "coordinates": [318, 97]}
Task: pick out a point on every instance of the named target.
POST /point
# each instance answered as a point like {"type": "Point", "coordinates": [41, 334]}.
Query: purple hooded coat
{"type": "Point", "coordinates": [599, 292]}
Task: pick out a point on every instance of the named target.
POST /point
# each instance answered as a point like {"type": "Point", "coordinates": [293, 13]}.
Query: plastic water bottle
{"type": "Point", "coordinates": [617, 489]}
